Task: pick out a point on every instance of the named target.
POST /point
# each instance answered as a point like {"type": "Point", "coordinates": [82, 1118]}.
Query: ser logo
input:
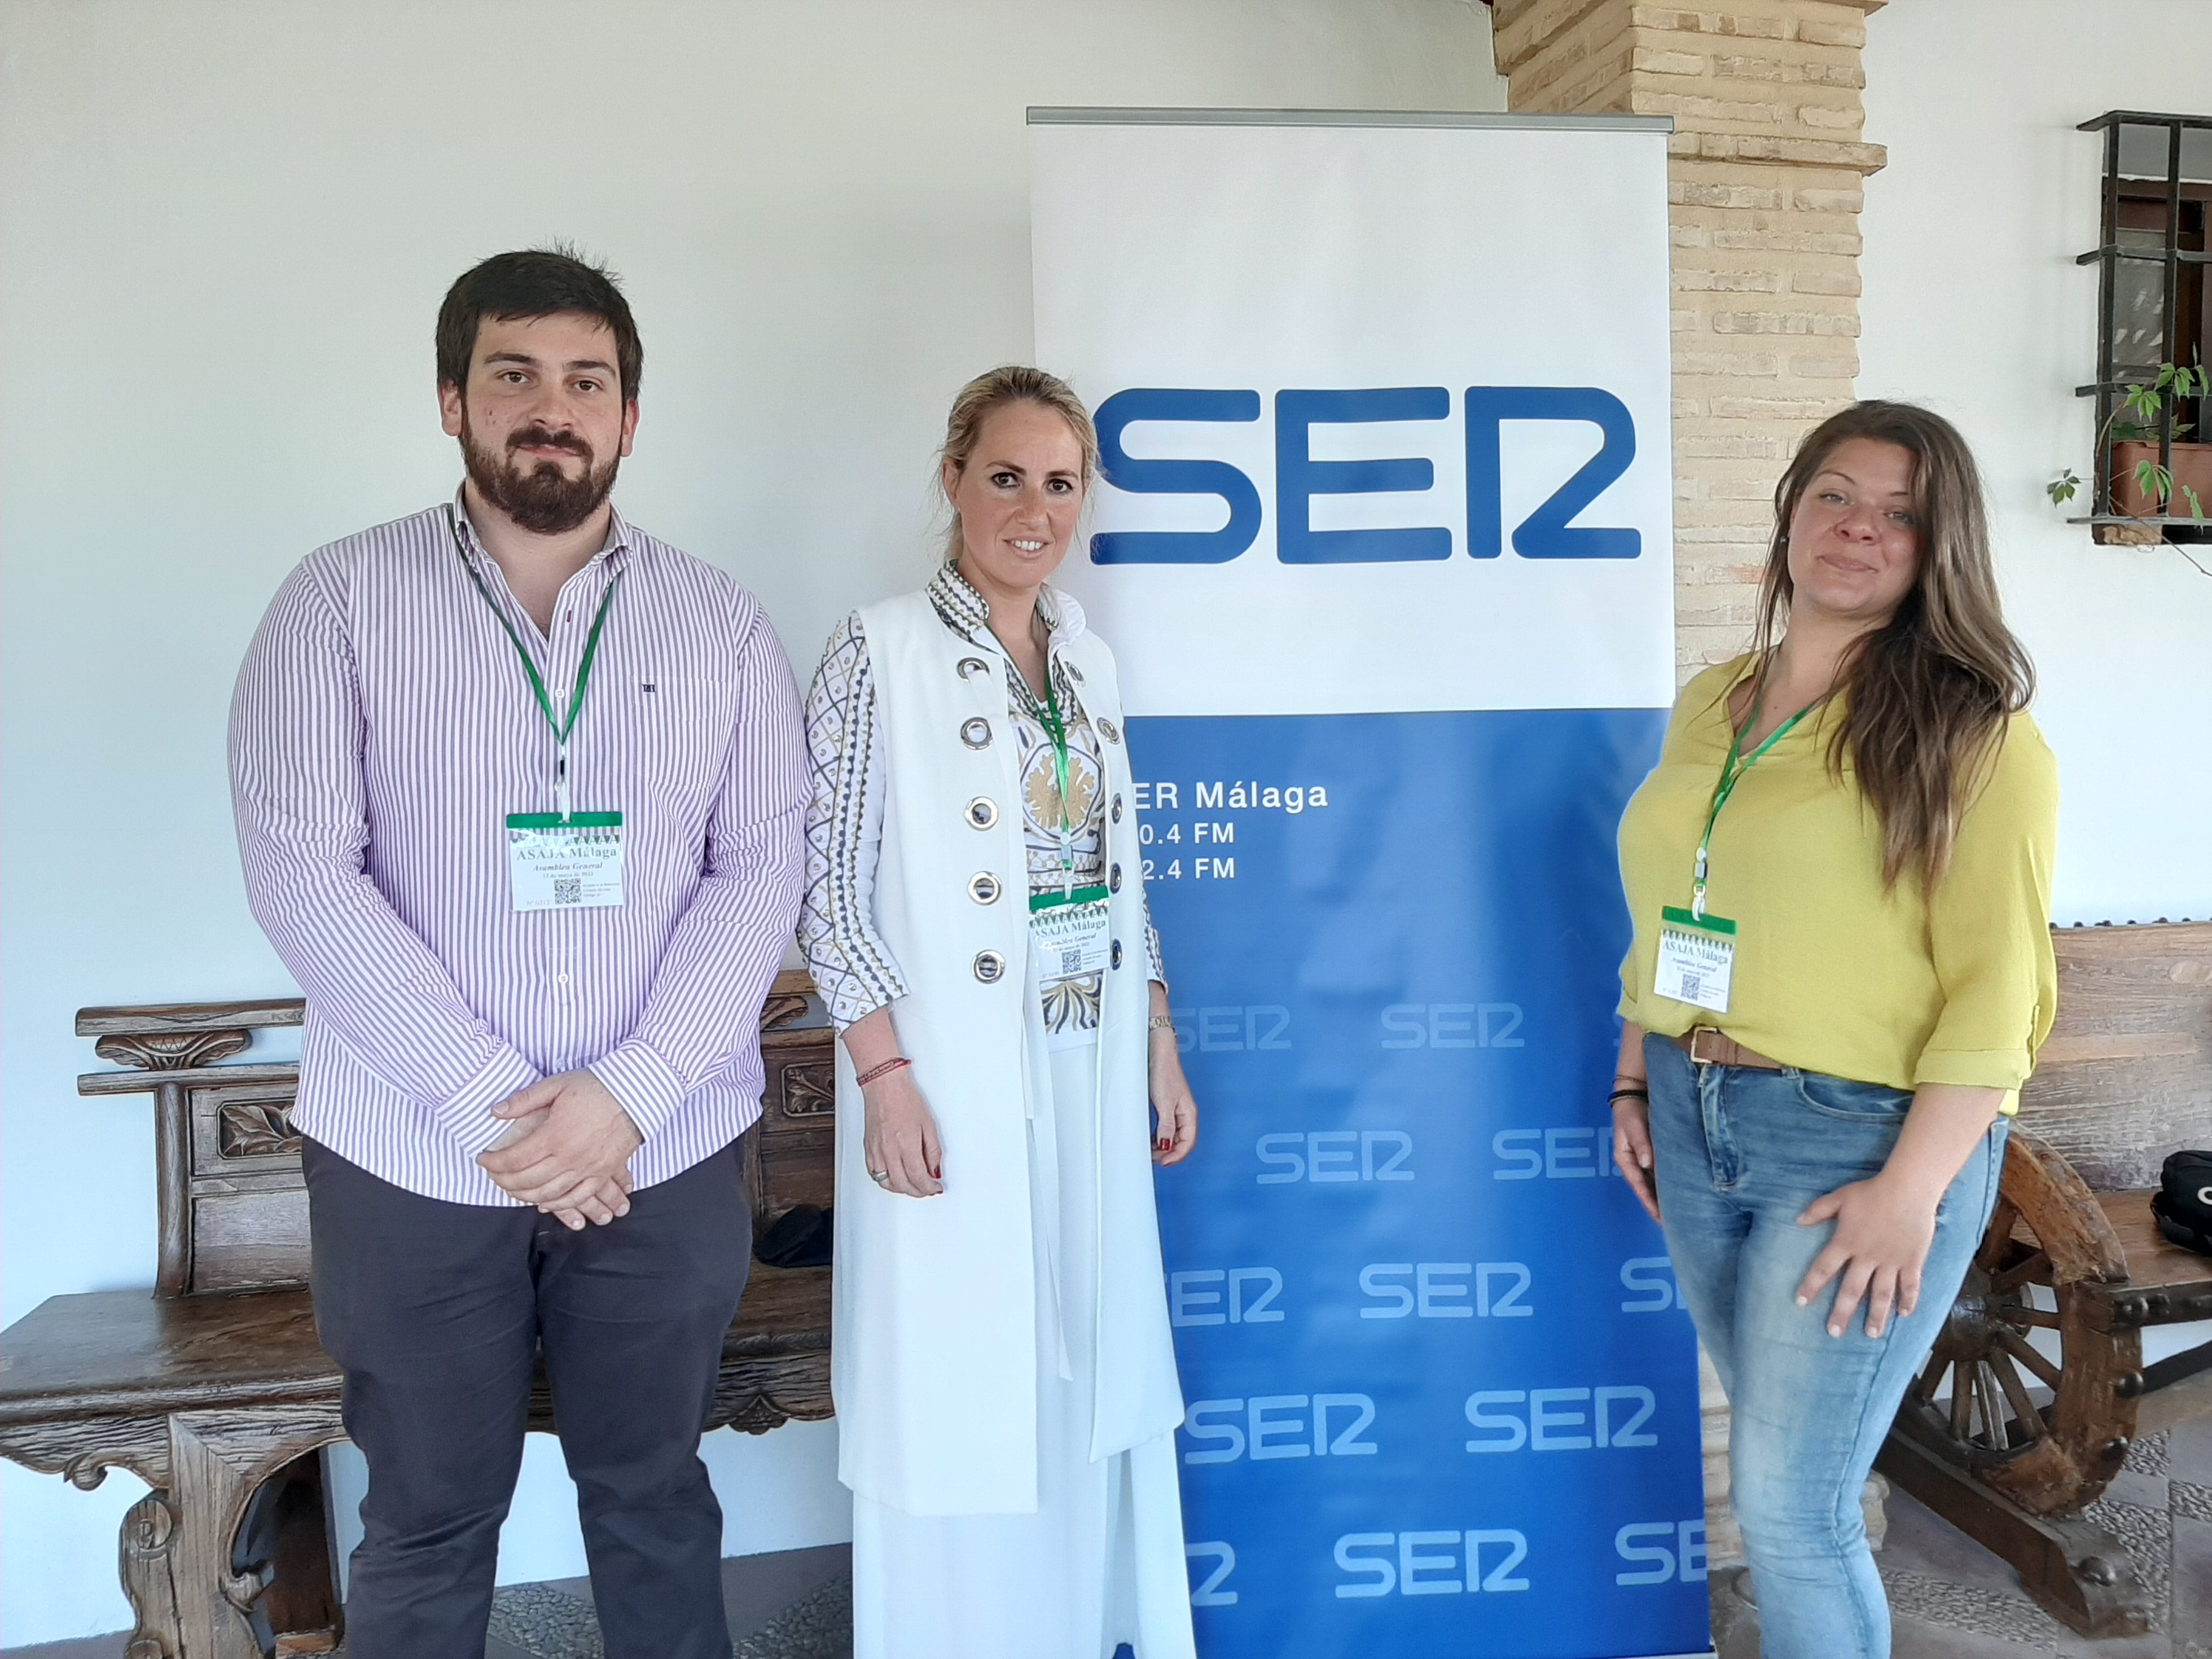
{"type": "Point", "coordinates": [1224, 1296]}
{"type": "Point", "coordinates": [1567, 1153]}
{"type": "Point", "coordinates": [1561, 1419]}
{"type": "Point", "coordinates": [1477, 1561]}
{"type": "Point", "coordinates": [1452, 1025]}
{"type": "Point", "coordinates": [1233, 1028]}
{"type": "Point", "coordinates": [1652, 1278]}
{"type": "Point", "coordinates": [1549, 533]}
{"type": "Point", "coordinates": [1439, 1290]}
{"type": "Point", "coordinates": [1323, 1156]}
{"type": "Point", "coordinates": [1271, 1426]}
{"type": "Point", "coordinates": [1207, 1592]}
{"type": "Point", "coordinates": [1661, 1552]}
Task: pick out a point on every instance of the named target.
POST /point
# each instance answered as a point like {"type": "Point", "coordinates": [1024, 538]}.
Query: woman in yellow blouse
{"type": "Point", "coordinates": [1839, 877]}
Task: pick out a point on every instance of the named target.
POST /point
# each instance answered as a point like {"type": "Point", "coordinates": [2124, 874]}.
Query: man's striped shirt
{"type": "Point", "coordinates": [383, 730]}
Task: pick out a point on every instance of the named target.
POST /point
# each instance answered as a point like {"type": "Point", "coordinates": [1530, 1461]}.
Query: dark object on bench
{"type": "Point", "coordinates": [2183, 1202]}
{"type": "Point", "coordinates": [801, 1237]}
{"type": "Point", "coordinates": [2008, 1439]}
{"type": "Point", "coordinates": [214, 1390]}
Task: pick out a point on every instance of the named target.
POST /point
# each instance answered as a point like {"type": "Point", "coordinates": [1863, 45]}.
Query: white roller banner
{"type": "Point", "coordinates": [1382, 548]}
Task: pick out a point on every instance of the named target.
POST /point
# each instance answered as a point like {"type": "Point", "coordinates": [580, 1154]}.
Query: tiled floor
{"type": "Point", "coordinates": [796, 1604]}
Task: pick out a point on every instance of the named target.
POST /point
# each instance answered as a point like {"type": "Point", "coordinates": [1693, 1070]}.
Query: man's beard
{"type": "Point", "coordinates": [541, 500]}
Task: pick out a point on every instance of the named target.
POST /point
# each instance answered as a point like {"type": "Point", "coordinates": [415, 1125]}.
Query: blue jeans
{"type": "Point", "coordinates": [1740, 1152]}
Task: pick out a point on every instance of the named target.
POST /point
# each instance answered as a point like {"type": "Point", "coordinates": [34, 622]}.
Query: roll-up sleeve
{"type": "Point", "coordinates": [853, 968]}
{"type": "Point", "coordinates": [1989, 923]}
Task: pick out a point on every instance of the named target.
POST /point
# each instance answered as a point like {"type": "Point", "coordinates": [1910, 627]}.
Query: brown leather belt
{"type": "Point", "coordinates": [1709, 1046]}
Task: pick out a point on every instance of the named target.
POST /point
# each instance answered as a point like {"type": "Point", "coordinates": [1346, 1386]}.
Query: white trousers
{"type": "Point", "coordinates": [1100, 1563]}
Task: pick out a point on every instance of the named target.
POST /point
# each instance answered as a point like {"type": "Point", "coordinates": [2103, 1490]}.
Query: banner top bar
{"type": "Point", "coordinates": [1049, 115]}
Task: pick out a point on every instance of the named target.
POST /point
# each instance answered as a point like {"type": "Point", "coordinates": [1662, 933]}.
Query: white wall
{"type": "Point", "coordinates": [1973, 304]}
{"type": "Point", "coordinates": [224, 231]}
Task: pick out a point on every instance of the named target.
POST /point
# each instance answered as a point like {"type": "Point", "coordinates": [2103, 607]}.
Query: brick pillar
{"type": "Point", "coordinates": [1764, 189]}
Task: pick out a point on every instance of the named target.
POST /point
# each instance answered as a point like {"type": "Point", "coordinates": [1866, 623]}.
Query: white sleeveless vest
{"type": "Point", "coordinates": [934, 1352]}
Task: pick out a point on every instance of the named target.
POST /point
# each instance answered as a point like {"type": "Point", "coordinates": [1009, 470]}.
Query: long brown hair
{"type": "Point", "coordinates": [1925, 697]}
{"type": "Point", "coordinates": [1011, 383]}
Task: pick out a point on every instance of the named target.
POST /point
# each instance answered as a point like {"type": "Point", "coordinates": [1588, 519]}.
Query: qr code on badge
{"type": "Point", "coordinates": [567, 890]}
{"type": "Point", "coordinates": [1693, 987]}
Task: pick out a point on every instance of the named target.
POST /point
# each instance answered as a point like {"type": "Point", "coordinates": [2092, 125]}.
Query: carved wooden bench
{"type": "Point", "coordinates": [2007, 1437]}
{"type": "Point", "coordinates": [214, 1390]}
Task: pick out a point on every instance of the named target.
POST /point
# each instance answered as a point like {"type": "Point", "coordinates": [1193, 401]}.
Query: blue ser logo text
{"type": "Point", "coordinates": [1428, 1562]}
{"type": "Point", "coordinates": [1652, 1277]}
{"type": "Point", "coordinates": [1452, 1025]}
{"type": "Point", "coordinates": [1661, 1552]}
{"type": "Point", "coordinates": [1561, 1419]}
{"type": "Point", "coordinates": [1549, 533]}
{"type": "Point", "coordinates": [1568, 1152]}
{"type": "Point", "coordinates": [1439, 1290]}
{"type": "Point", "coordinates": [1237, 1295]}
{"type": "Point", "coordinates": [1233, 1028]}
{"type": "Point", "coordinates": [1334, 1155]}
{"type": "Point", "coordinates": [1274, 1427]}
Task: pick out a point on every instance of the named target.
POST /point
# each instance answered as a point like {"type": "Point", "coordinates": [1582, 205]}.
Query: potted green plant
{"type": "Point", "coordinates": [2140, 486]}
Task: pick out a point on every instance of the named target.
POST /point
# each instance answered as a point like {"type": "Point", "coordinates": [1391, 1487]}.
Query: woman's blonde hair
{"type": "Point", "coordinates": [1928, 696]}
{"type": "Point", "coordinates": [1012, 383]}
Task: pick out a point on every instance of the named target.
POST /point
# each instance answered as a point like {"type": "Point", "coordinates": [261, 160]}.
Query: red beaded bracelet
{"type": "Point", "coordinates": [884, 1070]}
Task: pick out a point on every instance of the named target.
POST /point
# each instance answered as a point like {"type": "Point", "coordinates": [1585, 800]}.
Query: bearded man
{"type": "Point", "coordinates": [521, 796]}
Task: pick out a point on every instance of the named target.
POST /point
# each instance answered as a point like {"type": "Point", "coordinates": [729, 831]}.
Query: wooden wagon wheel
{"type": "Point", "coordinates": [2049, 1433]}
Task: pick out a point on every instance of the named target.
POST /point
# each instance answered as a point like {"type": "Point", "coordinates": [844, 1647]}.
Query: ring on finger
{"type": "Point", "coordinates": [881, 1177]}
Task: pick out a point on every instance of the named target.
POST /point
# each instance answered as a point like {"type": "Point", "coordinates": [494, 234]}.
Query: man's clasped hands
{"type": "Point", "coordinates": [568, 1150]}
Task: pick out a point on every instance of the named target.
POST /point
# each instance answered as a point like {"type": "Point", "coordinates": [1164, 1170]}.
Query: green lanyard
{"type": "Point", "coordinates": [562, 728]}
{"type": "Point", "coordinates": [1732, 773]}
{"type": "Point", "coordinates": [1056, 729]}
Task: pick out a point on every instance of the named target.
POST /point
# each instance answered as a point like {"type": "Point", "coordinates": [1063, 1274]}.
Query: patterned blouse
{"type": "Point", "coordinates": [849, 961]}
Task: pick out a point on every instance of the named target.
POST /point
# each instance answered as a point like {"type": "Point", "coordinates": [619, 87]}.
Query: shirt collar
{"type": "Point", "coordinates": [967, 614]}
{"type": "Point", "coordinates": [617, 541]}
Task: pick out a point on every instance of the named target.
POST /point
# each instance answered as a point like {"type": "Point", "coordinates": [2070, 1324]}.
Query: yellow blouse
{"type": "Point", "coordinates": [1834, 973]}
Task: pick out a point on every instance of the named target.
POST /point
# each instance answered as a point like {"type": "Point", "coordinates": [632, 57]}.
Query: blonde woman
{"type": "Point", "coordinates": [1839, 877]}
{"type": "Point", "coordinates": [1005, 1383]}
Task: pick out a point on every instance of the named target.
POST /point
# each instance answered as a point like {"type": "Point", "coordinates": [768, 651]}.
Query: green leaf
{"type": "Point", "coordinates": [2196, 506]}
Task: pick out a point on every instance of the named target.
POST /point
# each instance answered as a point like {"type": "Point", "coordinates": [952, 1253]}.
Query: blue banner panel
{"type": "Point", "coordinates": [1442, 1398]}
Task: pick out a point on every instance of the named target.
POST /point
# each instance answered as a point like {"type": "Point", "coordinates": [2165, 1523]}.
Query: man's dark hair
{"type": "Point", "coordinates": [535, 282]}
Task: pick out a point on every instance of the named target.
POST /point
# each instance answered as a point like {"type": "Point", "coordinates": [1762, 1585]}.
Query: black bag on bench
{"type": "Point", "coordinates": [2183, 1202]}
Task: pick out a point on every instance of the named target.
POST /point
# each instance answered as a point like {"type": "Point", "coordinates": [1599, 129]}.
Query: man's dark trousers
{"type": "Point", "coordinates": [436, 1313]}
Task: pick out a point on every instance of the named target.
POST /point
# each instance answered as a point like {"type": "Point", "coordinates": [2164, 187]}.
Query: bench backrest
{"type": "Point", "coordinates": [233, 1203]}
{"type": "Point", "coordinates": [2126, 1077]}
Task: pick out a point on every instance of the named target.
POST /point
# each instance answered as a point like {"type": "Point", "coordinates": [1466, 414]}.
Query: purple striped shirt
{"type": "Point", "coordinates": [382, 730]}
